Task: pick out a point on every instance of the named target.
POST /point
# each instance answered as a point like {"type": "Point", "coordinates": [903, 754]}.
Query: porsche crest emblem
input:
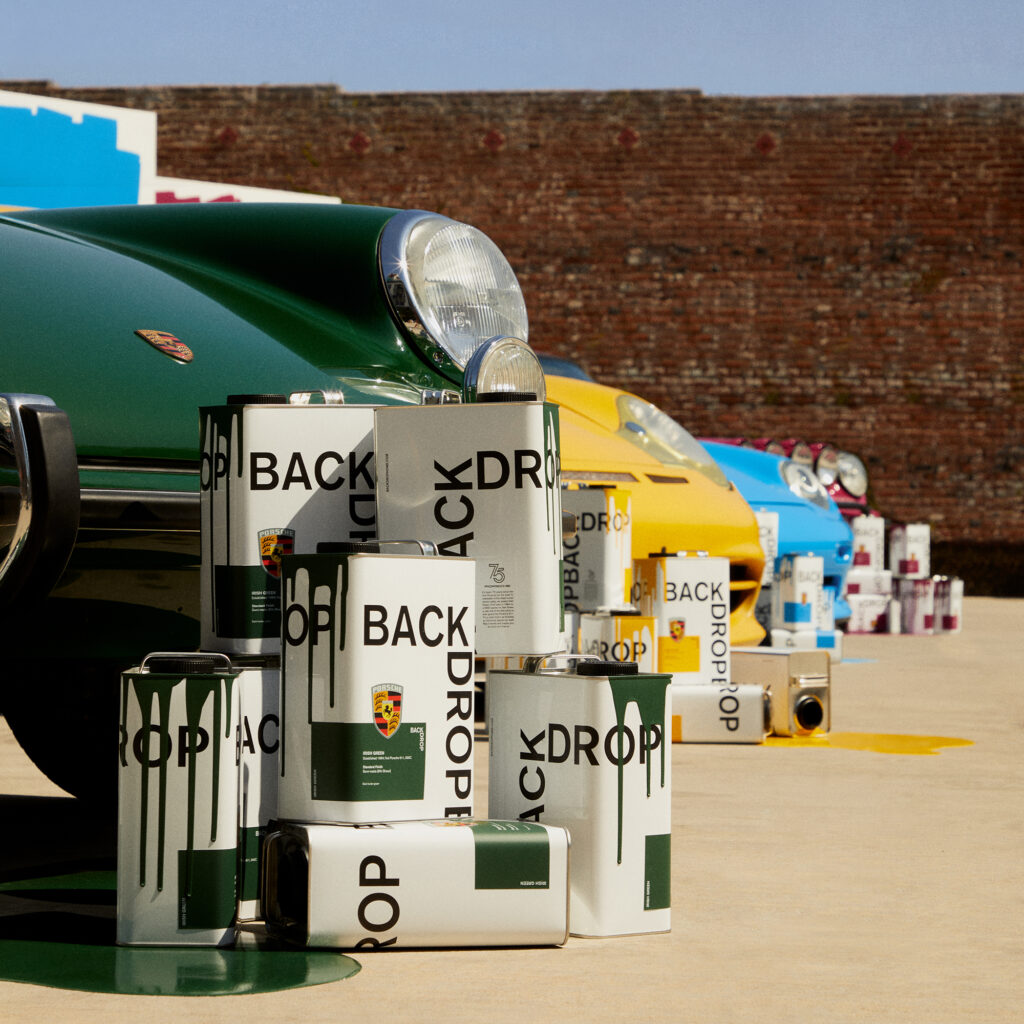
{"type": "Point", "coordinates": [677, 628]}
{"type": "Point", "coordinates": [274, 545]}
{"type": "Point", "coordinates": [167, 343]}
{"type": "Point", "coordinates": [387, 709]}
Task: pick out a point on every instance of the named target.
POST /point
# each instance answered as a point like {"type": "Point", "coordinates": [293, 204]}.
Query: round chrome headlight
{"type": "Point", "coordinates": [803, 483]}
{"type": "Point", "coordinates": [853, 475]}
{"type": "Point", "coordinates": [801, 452]}
{"type": "Point", "coordinates": [646, 426]}
{"type": "Point", "coordinates": [775, 447]}
{"type": "Point", "coordinates": [827, 465]}
{"type": "Point", "coordinates": [449, 285]}
{"type": "Point", "coordinates": [505, 367]}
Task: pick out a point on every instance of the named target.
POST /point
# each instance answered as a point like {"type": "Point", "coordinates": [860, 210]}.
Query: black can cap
{"type": "Point", "coordinates": [607, 668]}
{"type": "Point", "coordinates": [501, 397]}
{"type": "Point", "coordinates": [267, 399]}
{"type": "Point", "coordinates": [348, 547]}
{"type": "Point", "coordinates": [809, 713]}
{"type": "Point", "coordinates": [188, 664]}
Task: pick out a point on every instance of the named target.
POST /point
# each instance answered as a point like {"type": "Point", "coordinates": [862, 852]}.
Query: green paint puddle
{"type": "Point", "coordinates": [876, 742]}
{"type": "Point", "coordinates": [62, 948]}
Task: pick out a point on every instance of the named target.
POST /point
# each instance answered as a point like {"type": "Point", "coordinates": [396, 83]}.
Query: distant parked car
{"type": "Point", "coordinates": [810, 522]}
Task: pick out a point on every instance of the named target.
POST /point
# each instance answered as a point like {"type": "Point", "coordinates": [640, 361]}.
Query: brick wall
{"type": "Point", "coordinates": [844, 268]}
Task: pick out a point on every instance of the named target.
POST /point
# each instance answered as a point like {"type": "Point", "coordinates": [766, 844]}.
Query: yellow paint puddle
{"type": "Point", "coordinates": [877, 742]}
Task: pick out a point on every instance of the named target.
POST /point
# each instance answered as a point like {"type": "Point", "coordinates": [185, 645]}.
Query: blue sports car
{"type": "Point", "coordinates": [810, 522]}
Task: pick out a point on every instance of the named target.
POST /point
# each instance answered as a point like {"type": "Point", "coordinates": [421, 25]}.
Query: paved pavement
{"type": "Point", "coordinates": [848, 881]}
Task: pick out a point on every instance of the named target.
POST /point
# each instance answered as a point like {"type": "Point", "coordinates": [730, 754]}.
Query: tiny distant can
{"type": "Point", "coordinates": [871, 613]}
{"type": "Point", "coordinates": [732, 713]}
{"type": "Point", "coordinates": [869, 581]}
{"type": "Point", "coordinates": [949, 604]}
{"type": "Point", "coordinates": [796, 593]}
{"type": "Point", "coordinates": [586, 748]}
{"type": "Point", "coordinates": [276, 477]}
{"type": "Point", "coordinates": [688, 596]}
{"type": "Point", "coordinates": [418, 883]}
{"type": "Point", "coordinates": [177, 836]}
{"type": "Point", "coordinates": [259, 742]}
{"type": "Point", "coordinates": [868, 542]}
{"type": "Point", "coordinates": [620, 638]}
{"type": "Point", "coordinates": [910, 551]}
{"type": "Point", "coordinates": [917, 605]}
{"type": "Point", "coordinates": [598, 572]}
{"type": "Point", "coordinates": [377, 687]}
{"type": "Point", "coordinates": [482, 481]}
{"type": "Point", "coordinates": [830, 640]}
{"type": "Point", "coordinates": [768, 535]}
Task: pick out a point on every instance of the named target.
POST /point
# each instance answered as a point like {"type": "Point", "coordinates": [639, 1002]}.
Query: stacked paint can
{"type": "Point", "coordinates": [803, 608]}
{"type": "Point", "coordinates": [686, 598]}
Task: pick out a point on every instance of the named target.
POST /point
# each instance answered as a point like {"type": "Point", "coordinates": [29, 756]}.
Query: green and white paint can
{"type": "Point", "coordinates": [586, 748]}
{"type": "Point", "coordinates": [377, 687]}
{"type": "Point", "coordinates": [177, 846]}
{"type": "Point", "coordinates": [259, 743]}
{"type": "Point", "coordinates": [598, 572]}
{"type": "Point", "coordinates": [418, 883]}
{"type": "Point", "coordinates": [277, 475]}
{"type": "Point", "coordinates": [482, 481]}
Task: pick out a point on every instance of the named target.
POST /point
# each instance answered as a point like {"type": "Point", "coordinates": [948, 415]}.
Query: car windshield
{"type": "Point", "coordinates": [559, 367]}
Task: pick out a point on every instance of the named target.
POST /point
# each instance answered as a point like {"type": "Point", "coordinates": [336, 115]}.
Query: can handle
{"type": "Point", "coordinates": [306, 397]}
{"type": "Point", "coordinates": [222, 658]}
{"type": "Point", "coordinates": [427, 547]}
{"type": "Point", "coordinates": [534, 662]}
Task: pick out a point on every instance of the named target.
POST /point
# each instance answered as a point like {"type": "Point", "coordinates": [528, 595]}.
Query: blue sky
{"type": "Point", "coordinates": [722, 47]}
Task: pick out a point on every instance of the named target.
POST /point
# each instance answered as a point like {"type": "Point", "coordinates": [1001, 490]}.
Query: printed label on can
{"type": "Point", "coordinates": [377, 687]}
{"type": "Point", "coordinates": [275, 479]}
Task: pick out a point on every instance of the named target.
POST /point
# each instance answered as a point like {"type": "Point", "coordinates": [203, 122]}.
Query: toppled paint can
{"type": "Point", "coordinates": [871, 613]}
{"type": "Point", "coordinates": [177, 837]}
{"type": "Point", "coordinates": [598, 573]}
{"type": "Point", "coordinates": [482, 481]}
{"type": "Point", "coordinates": [730, 713]}
{"type": "Point", "coordinates": [377, 686]}
{"type": "Point", "coordinates": [584, 747]}
{"type": "Point", "coordinates": [418, 883]}
{"type": "Point", "coordinates": [798, 684]}
{"type": "Point", "coordinates": [830, 640]}
{"type": "Point", "coordinates": [619, 638]}
{"type": "Point", "coordinates": [259, 741]}
{"type": "Point", "coordinates": [687, 594]}
{"type": "Point", "coordinates": [869, 581]}
{"type": "Point", "coordinates": [277, 475]}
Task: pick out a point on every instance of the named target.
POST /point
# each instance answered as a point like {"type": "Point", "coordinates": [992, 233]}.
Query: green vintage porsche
{"type": "Point", "coordinates": [116, 324]}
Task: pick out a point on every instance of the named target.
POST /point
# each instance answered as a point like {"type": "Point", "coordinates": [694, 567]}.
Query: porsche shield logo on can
{"type": "Point", "coordinates": [387, 709]}
{"type": "Point", "coordinates": [274, 545]}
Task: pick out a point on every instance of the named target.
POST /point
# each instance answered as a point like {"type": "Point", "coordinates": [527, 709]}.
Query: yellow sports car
{"type": "Point", "coordinates": [681, 499]}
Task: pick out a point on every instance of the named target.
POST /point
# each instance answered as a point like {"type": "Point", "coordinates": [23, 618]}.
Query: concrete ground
{"type": "Point", "coordinates": [848, 881]}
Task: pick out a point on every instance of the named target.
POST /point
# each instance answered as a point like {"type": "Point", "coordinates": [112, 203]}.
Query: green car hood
{"type": "Point", "coordinates": [268, 298]}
